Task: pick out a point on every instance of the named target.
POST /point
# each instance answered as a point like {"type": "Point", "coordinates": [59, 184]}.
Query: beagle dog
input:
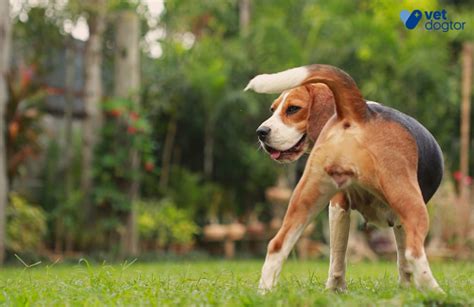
{"type": "Point", "coordinates": [362, 156]}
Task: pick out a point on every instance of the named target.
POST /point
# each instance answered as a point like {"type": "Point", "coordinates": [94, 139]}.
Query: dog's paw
{"type": "Point", "coordinates": [263, 290]}
{"type": "Point", "coordinates": [263, 287]}
{"type": "Point", "coordinates": [428, 284]}
{"type": "Point", "coordinates": [435, 289]}
{"type": "Point", "coordinates": [336, 284]}
{"type": "Point", "coordinates": [404, 279]}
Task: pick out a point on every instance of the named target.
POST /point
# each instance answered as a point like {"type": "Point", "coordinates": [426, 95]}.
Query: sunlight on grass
{"type": "Point", "coordinates": [222, 283]}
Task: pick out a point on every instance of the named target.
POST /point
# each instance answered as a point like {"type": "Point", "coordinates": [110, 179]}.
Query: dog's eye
{"type": "Point", "coordinates": [292, 110]}
{"type": "Point", "coordinates": [272, 109]}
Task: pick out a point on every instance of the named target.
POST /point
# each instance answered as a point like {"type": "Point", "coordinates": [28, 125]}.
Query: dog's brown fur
{"type": "Point", "coordinates": [356, 155]}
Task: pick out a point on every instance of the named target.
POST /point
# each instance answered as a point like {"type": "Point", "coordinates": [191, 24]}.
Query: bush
{"type": "Point", "coordinates": [201, 199]}
{"type": "Point", "coordinates": [125, 129]}
{"type": "Point", "coordinates": [162, 224]}
{"type": "Point", "coordinates": [26, 225]}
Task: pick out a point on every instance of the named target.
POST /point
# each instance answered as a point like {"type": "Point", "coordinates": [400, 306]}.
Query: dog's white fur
{"type": "Point", "coordinates": [404, 270]}
{"type": "Point", "coordinates": [371, 102]}
{"type": "Point", "coordinates": [421, 272]}
{"type": "Point", "coordinates": [339, 224]}
{"type": "Point", "coordinates": [274, 261]}
{"type": "Point", "coordinates": [278, 82]}
{"type": "Point", "coordinates": [282, 136]}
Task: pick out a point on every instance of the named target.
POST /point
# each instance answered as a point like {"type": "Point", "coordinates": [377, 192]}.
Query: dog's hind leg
{"type": "Point", "coordinates": [339, 224]}
{"type": "Point", "coordinates": [404, 270]}
{"type": "Point", "coordinates": [404, 196]}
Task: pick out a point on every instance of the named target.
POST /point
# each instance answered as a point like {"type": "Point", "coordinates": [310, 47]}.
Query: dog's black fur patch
{"type": "Point", "coordinates": [430, 157]}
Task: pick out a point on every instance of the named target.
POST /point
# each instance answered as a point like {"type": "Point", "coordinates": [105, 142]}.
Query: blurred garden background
{"type": "Point", "coordinates": [125, 131]}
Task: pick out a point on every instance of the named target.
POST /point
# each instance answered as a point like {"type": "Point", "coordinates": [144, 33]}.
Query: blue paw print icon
{"type": "Point", "coordinates": [411, 20]}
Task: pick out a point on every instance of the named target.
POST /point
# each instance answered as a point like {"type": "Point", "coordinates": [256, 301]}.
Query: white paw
{"type": "Point", "coordinates": [337, 284]}
{"type": "Point", "coordinates": [425, 282]}
{"type": "Point", "coordinates": [263, 288]}
{"type": "Point", "coordinates": [422, 275]}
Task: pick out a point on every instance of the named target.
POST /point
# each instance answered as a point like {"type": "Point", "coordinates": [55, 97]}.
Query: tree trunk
{"type": "Point", "coordinates": [67, 142]}
{"type": "Point", "coordinates": [244, 16]}
{"type": "Point", "coordinates": [4, 64]}
{"type": "Point", "coordinates": [93, 94]}
{"type": "Point", "coordinates": [127, 85]}
{"type": "Point", "coordinates": [58, 239]}
{"type": "Point", "coordinates": [167, 152]}
{"type": "Point", "coordinates": [208, 148]}
{"type": "Point", "coordinates": [466, 84]}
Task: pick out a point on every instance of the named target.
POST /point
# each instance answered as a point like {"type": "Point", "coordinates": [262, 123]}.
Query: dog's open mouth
{"type": "Point", "coordinates": [281, 154]}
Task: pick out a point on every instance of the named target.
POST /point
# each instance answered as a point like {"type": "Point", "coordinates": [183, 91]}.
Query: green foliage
{"type": "Point", "coordinates": [38, 37]}
{"type": "Point", "coordinates": [118, 5]}
{"type": "Point", "coordinates": [26, 225]}
{"type": "Point", "coordinates": [197, 83]}
{"type": "Point", "coordinates": [63, 204]}
{"type": "Point", "coordinates": [202, 17]}
{"type": "Point", "coordinates": [163, 223]}
{"type": "Point", "coordinates": [125, 129]}
{"type": "Point", "coordinates": [191, 193]}
{"type": "Point", "coordinates": [23, 119]}
{"type": "Point", "coordinates": [416, 71]}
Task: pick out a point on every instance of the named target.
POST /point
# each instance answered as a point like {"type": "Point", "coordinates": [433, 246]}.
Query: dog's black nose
{"type": "Point", "coordinates": [262, 132]}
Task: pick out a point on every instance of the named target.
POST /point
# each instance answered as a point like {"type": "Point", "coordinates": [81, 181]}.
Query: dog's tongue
{"type": "Point", "coordinates": [275, 154]}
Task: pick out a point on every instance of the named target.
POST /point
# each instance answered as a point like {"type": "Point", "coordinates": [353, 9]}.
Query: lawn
{"type": "Point", "coordinates": [223, 283]}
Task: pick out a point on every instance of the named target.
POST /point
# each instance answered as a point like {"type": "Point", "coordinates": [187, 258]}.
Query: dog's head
{"type": "Point", "coordinates": [298, 117]}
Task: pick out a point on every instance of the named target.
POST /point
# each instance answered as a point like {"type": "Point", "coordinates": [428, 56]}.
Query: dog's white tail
{"type": "Point", "coordinates": [347, 97]}
{"type": "Point", "coordinates": [278, 82]}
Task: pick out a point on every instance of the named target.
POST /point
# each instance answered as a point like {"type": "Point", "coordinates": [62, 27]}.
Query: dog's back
{"type": "Point", "coordinates": [430, 158]}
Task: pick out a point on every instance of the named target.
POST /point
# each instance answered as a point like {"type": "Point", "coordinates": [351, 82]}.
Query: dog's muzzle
{"type": "Point", "coordinates": [263, 132]}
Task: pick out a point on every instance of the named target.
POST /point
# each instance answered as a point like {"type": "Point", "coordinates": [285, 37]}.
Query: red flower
{"type": "Point", "coordinates": [458, 176]}
{"type": "Point", "coordinates": [131, 130]}
{"type": "Point", "coordinates": [149, 166]}
{"type": "Point", "coordinates": [13, 129]}
{"type": "Point", "coordinates": [461, 178]}
{"type": "Point", "coordinates": [115, 112]}
{"type": "Point", "coordinates": [134, 115]}
{"type": "Point", "coordinates": [26, 74]}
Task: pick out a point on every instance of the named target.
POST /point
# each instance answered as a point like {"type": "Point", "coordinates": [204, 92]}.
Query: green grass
{"type": "Point", "coordinates": [224, 283]}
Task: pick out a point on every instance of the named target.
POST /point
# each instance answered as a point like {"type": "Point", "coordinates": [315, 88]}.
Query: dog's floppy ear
{"type": "Point", "coordinates": [321, 108]}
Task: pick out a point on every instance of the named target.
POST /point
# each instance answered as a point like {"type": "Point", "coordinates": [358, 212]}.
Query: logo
{"type": "Point", "coordinates": [435, 20]}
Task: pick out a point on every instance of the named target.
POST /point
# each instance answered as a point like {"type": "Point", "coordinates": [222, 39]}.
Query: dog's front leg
{"type": "Point", "coordinates": [310, 196]}
{"type": "Point", "coordinates": [339, 225]}
{"type": "Point", "coordinates": [278, 250]}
